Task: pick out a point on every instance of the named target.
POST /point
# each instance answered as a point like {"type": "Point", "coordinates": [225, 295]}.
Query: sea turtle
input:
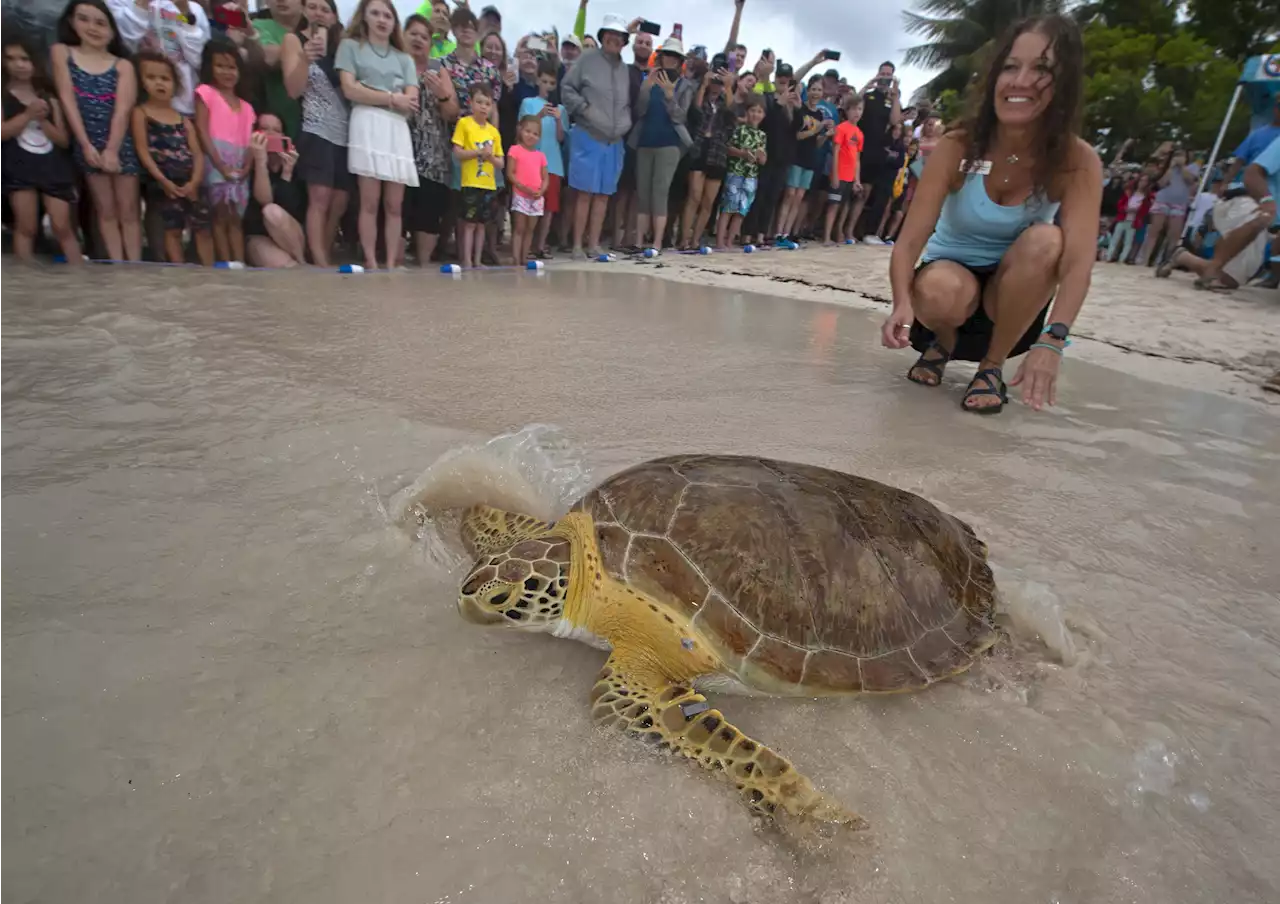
{"type": "Point", "coordinates": [739, 574]}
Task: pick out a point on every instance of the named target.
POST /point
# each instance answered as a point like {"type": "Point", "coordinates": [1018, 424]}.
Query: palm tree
{"type": "Point", "coordinates": [959, 32]}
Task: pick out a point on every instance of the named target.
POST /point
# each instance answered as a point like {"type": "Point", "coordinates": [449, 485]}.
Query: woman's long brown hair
{"type": "Point", "coordinates": [357, 31]}
{"type": "Point", "coordinates": [1060, 123]}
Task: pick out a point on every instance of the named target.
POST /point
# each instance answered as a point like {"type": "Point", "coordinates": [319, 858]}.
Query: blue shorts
{"type": "Point", "coordinates": [594, 167]}
{"type": "Point", "coordinates": [739, 192]}
{"type": "Point", "coordinates": [799, 177]}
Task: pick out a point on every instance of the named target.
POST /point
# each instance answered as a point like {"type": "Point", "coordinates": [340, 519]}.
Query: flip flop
{"type": "Point", "coordinates": [994, 387]}
{"type": "Point", "coordinates": [1163, 271]}
{"type": "Point", "coordinates": [1211, 284]}
{"type": "Point", "coordinates": [934, 366]}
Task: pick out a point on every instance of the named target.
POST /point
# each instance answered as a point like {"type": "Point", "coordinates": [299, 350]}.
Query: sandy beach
{"type": "Point", "coordinates": [1160, 330]}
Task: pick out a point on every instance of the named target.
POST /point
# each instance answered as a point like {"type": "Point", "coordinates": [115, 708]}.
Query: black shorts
{"type": "Point", "coordinates": [841, 194]}
{"type": "Point", "coordinates": [322, 162]}
{"type": "Point", "coordinates": [477, 204]}
{"type": "Point", "coordinates": [973, 338]}
{"type": "Point", "coordinates": [425, 206]}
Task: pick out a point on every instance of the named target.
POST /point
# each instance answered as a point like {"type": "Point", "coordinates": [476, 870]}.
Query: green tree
{"type": "Point", "coordinates": [1238, 28]}
{"type": "Point", "coordinates": [959, 32]}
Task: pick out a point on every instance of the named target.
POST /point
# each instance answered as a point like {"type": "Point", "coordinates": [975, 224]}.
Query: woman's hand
{"type": "Point", "coordinates": [316, 46]}
{"type": "Point", "coordinates": [111, 161]}
{"type": "Point", "coordinates": [258, 145]}
{"type": "Point", "coordinates": [668, 87]}
{"type": "Point", "coordinates": [91, 156]}
{"type": "Point", "coordinates": [509, 77]}
{"type": "Point", "coordinates": [1038, 374]}
{"type": "Point", "coordinates": [432, 82]}
{"type": "Point", "coordinates": [38, 109]}
{"type": "Point", "coordinates": [288, 160]}
{"type": "Point", "coordinates": [403, 103]}
{"type": "Point", "coordinates": [896, 331]}
{"type": "Point", "coordinates": [170, 189]}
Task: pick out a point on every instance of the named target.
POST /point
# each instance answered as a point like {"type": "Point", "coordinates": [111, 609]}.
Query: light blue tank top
{"type": "Point", "coordinates": [975, 231]}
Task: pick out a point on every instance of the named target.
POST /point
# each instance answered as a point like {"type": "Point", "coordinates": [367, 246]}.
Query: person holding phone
{"type": "Point", "coordinates": [427, 205]}
{"type": "Point", "coordinates": [881, 110]}
{"type": "Point", "coordinates": [307, 64]}
{"type": "Point", "coordinates": [555, 121]}
{"type": "Point", "coordinates": [273, 219]}
{"type": "Point", "coordinates": [659, 137]}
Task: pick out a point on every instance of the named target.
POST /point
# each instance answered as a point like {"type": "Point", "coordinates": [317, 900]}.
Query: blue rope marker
{"type": "Point", "coordinates": [748, 249]}
{"type": "Point", "coordinates": [850, 242]}
{"type": "Point", "coordinates": [705, 249]}
{"type": "Point", "coordinates": [351, 268]}
{"type": "Point", "coordinates": [450, 268]}
{"type": "Point", "coordinates": [535, 265]}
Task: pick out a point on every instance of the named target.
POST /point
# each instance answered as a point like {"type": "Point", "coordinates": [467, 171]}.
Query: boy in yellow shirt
{"type": "Point", "coordinates": [478, 147]}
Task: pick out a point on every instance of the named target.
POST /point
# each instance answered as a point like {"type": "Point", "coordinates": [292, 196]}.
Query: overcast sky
{"type": "Point", "coordinates": [865, 33]}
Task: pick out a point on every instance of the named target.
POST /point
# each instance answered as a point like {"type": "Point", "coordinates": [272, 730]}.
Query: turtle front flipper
{"type": "Point", "coordinates": [485, 529]}
{"type": "Point", "coordinates": [629, 696]}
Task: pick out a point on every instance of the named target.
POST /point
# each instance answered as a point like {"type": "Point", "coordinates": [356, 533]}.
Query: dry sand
{"type": "Point", "coordinates": [1160, 330]}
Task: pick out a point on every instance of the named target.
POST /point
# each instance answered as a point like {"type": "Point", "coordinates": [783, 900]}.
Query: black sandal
{"type": "Point", "coordinates": [994, 387]}
{"type": "Point", "coordinates": [934, 366]}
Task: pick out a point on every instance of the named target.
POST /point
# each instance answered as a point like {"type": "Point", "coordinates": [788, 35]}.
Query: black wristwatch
{"type": "Point", "coordinates": [1058, 331]}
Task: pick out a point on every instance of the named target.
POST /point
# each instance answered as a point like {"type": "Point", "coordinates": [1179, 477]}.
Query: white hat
{"type": "Point", "coordinates": [571, 39]}
{"type": "Point", "coordinates": [672, 45]}
{"type": "Point", "coordinates": [614, 22]}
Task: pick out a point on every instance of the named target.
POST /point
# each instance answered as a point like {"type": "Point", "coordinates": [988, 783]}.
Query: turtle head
{"type": "Point", "coordinates": [521, 574]}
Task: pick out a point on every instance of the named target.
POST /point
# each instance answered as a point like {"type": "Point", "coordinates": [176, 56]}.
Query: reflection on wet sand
{"type": "Point", "coordinates": [231, 675]}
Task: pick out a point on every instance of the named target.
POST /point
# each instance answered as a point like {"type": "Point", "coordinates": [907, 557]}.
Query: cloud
{"type": "Point", "coordinates": [795, 31]}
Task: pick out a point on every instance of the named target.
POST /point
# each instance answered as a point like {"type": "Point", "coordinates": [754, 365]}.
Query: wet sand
{"type": "Point", "coordinates": [230, 676]}
{"type": "Point", "coordinates": [1162, 330]}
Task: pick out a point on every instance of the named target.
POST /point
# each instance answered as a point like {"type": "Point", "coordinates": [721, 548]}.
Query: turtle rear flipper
{"type": "Point", "coordinates": [631, 696]}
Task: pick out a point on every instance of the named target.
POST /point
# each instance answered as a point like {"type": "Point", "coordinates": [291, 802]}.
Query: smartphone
{"type": "Point", "coordinates": [884, 84]}
{"type": "Point", "coordinates": [434, 64]}
{"type": "Point", "coordinates": [230, 16]}
{"type": "Point", "coordinates": [278, 144]}
{"type": "Point", "coordinates": [831, 55]}
{"type": "Point", "coordinates": [651, 28]}
{"type": "Point", "coordinates": [537, 45]}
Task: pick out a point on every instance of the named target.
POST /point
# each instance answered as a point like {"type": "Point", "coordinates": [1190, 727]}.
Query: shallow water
{"type": "Point", "coordinates": [230, 675]}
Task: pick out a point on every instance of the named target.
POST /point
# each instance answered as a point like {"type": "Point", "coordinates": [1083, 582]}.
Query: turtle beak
{"type": "Point", "coordinates": [473, 612]}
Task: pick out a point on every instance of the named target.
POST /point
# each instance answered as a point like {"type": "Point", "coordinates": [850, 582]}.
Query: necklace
{"type": "Point", "coordinates": [1011, 160]}
{"type": "Point", "coordinates": [374, 48]}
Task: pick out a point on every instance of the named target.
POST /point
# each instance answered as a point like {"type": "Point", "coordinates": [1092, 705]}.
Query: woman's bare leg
{"type": "Point", "coordinates": [426, 242]}
{"type": "Point", "coordinates": [691, 202]}
{"type": "Point", "coordinates": [173, 252]}
{"type": "Point", "coordinates": [285, 231]}
{"type": "Point", "coordinates": [262, 252]}
{"type": "Point", "coordinates": [204, 246]}
{"type": "Point", "coordinates": [393, 222]}
{"type": "Point", "coordinates": [60, 219]}
{"type": "Point", "coordinates": [710, 188]}
{"type": "Point", "coordinates": [370, 195]}
{"type": "Point", "coordinates": [943, 296]}
{"type": "Point", "coordinates": [1154, 229]}
{"type": "Point", "coordinates": [544, 228]}
{"type": "Point", "coordinates": [104, 205]}
{"type": "Point", "coordinates": [129, 212]}
{"type": "Point", "coordinates": [25, 206]}
{"type": "Point", "coordinates": [319, 199]}
{"type": "Point", "coordinates": [1017, 293]}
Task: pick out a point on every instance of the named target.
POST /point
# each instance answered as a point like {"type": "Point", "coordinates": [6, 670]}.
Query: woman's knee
{"type": "Point", "coordinates": [276, 216]}
{"type": "Point", "coordinates": [1040, 245]}
{"type": "Point", "coordinates": [944, 297]}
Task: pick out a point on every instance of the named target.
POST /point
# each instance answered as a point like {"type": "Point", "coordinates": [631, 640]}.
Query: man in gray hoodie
{"type": "Point", "coordinates": [597, 94]}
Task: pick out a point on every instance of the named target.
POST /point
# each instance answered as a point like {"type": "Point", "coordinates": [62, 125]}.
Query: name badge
{"type": "Point", "coordinates": [975, 167]}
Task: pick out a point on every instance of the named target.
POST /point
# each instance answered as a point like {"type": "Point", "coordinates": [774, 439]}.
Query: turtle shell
{"type": "Point", "coordinates": [808, 580]}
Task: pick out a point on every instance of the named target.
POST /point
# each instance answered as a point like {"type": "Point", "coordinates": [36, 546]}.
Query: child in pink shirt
{"type": "Point", "coordinates": [527, 173]}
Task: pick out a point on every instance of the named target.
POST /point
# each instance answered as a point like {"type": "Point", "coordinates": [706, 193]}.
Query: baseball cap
{"type": "Point", "coordinates": [571, 39]}
{"type": "Point", "coordinates": [491, 12]}
{"type": "Point", "coordinates": [784, 70]}
{"type": "Point", "coordinates": [832, 73]}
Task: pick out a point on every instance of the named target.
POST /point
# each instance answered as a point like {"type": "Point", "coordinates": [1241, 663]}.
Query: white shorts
{"type": "Point", "coordinates": [1229, 216]}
